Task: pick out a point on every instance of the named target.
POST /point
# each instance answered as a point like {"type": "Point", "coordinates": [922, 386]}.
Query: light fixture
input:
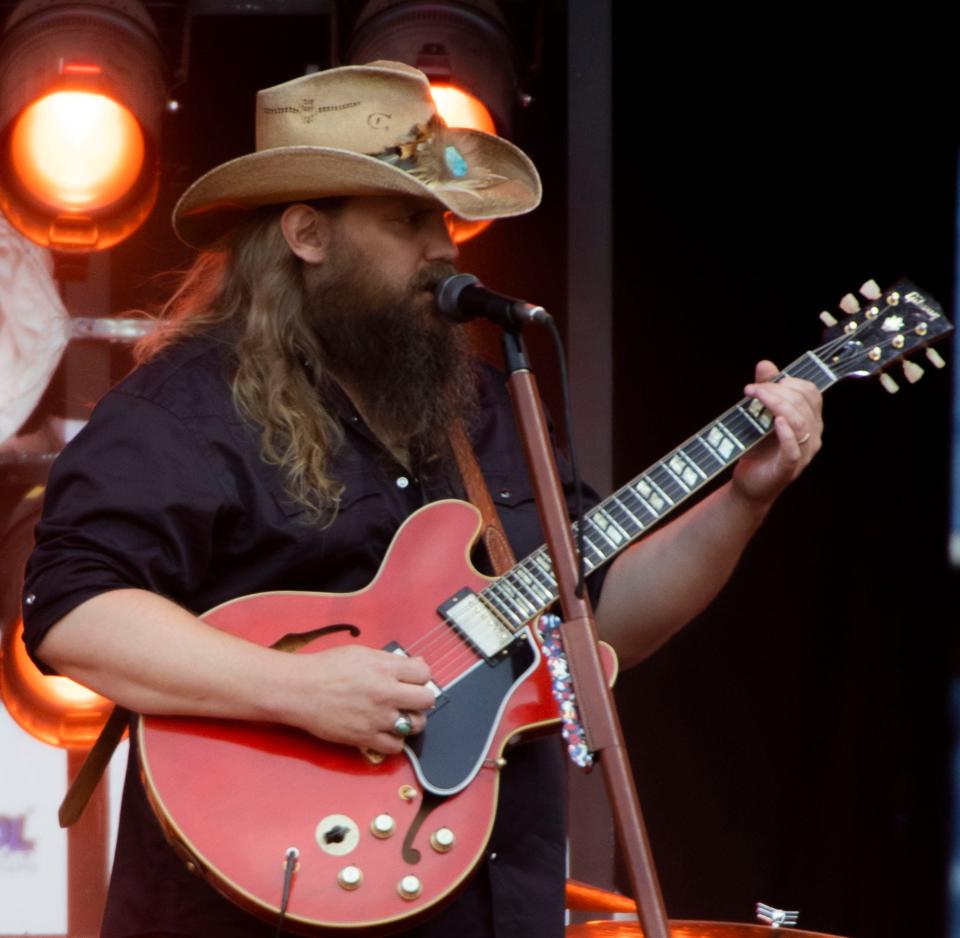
{"type": "Point", "coordinates": [53, 709]}
{"type": "Point", "coordinates": [81, 99]}
{"type": "Point", "coordinates": [466, 51]}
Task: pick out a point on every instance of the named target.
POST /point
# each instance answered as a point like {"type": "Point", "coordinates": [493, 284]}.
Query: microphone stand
{"type": "Point", "coordinates": [594, 698]}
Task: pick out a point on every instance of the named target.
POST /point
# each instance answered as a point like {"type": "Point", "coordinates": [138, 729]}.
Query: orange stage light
{"type": "Point", "coordinates": [54, 710]}
{"type": "Point", "coordinates": [459, 108]}
{"type": "Point", "coordinates": [82, 90]}
{"type": "Point", "coordinates": [76, 151]}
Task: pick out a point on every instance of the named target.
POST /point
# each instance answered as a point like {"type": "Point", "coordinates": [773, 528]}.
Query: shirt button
{"type": "Point", "coordinates": [29, 599]}
{"type": "Point", "coordinates": [402, 482]}
{"type": "Point", "coordinates": [492, 857]}
{"type": "Point", "coordinates": [504, 493]}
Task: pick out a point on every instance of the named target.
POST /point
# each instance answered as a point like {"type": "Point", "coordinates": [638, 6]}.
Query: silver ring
{"type": "Point", "coordinates": [804, 438]}
{"type": "Point", "coordinates": [403, 725]}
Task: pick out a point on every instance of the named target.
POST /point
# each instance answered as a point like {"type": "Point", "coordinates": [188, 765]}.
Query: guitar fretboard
{"type": "Point", "coordinates": [529, 588]}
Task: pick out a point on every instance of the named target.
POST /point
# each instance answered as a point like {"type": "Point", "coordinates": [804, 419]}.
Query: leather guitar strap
{"type": "Point", "coordinates": [83, 786]}
{"type": "Point", "coordinates": [498, 550]}
{"type": "Point", "coordinates": [494, 537]}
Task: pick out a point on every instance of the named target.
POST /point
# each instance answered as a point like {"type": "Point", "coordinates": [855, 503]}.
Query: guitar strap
{"type": "Point", "coordinates": [82, 787]}
{"type": "Point", "coordinates": [494, 537]}
{"type": "Point", "coordinates": [498, 550]}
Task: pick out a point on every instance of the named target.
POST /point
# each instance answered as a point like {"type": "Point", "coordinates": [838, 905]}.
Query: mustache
{"type": "Point", "coordinates": [430, 276]}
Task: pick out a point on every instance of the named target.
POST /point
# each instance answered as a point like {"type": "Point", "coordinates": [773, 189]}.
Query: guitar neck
{"type": "Point", "coordinates": [529, 588]}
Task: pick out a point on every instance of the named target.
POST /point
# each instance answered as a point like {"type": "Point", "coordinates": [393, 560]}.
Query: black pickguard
{"type": "Point", "coordinates": [457, 734]}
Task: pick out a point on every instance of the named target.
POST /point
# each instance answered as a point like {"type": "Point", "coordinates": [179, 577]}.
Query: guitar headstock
{"type": "Point", "coordinates": [882, 329]}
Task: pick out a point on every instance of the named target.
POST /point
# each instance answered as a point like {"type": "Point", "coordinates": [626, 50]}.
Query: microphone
{"type": "Point", "coordinates": [463, 297]}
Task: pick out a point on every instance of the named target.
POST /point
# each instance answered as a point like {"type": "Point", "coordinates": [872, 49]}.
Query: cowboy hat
{"type": "Point", "coordinates": [358, 130]}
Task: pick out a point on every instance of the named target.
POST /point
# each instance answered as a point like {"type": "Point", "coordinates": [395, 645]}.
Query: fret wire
{"type": "Point", "coordinates": [501, 611]}
{"type": "Point", "coordinates": [542, 578]}
{"type": "Point", "coordinates": [517, 584]}
{"type": "Point", "coordinates": [676, 478]}
{"type": "Point", "coordinates": [620, 501]}
{"type": "Point", "coordinates": [507, 608]}
{"type": "Point", "coordinates": [700, 454]}
{"type": "Point", "coordinates": [828, 375]}
{"type": "Point", "coordinates": [532, 585]}
{"type": "Point", "coordinates": [624, 519]}
{"type": "Point", "coordinates": [606, 543]}
{"type": "Point", "coordinates": [648, 500]}
{"type": "Point", "coordinates": [544, 564]}
{"type": "Point", "coordinates": [599, 512]}
{"type": "Point", "coordinates": [752, 420]}
{"type": "Point", "coordinates": [590, 544]}
{"type": "Point", "coordinates": [721, 445]}
{"type": "Point", "coordinates": [640, 505]}
{"type": "Point", "coordinates": [520, 602]}
{"type": "Point", "coordinates": [662, 485]}
{"type": "Point", "coordinates": [690, 460]}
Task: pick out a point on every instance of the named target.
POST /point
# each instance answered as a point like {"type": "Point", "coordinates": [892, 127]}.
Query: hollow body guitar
{"type": "Point", "coordinates": [383, 841]}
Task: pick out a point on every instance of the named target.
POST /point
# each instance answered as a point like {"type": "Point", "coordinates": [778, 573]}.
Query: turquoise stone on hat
{"type": "Point", "coordinates": [455, 162]}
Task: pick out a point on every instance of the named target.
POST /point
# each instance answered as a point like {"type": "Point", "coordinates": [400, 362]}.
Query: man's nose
{"type": "Point", "coordinates": [440, 243]}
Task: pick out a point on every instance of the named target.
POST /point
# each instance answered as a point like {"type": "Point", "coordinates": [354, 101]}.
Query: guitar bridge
{"type": "Point", "coordinates": [477, 625]}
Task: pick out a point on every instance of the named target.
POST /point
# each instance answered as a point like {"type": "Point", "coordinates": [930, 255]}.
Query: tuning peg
{"type": "Point", "coordinates": [827, 319]}
{"type": "Point", "coordinates": [935, 358]}
{"type": "Point", "coordinates": [850, 304]}
{"type": "Point", "coordinates": [889, 384]}
{"type": "Point", "coordinates": [912, 372]}
{"type": "Point", "coordinates": [870, 291]}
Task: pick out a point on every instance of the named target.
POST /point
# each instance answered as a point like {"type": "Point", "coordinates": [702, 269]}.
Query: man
{"type": "Point", "coordinates": [292, 413]}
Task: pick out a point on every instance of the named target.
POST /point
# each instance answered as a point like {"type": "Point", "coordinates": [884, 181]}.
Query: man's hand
{"type": "Point", "coordinates": [359, 693]}
{"type": "Point", "coordinates": [765, 472]}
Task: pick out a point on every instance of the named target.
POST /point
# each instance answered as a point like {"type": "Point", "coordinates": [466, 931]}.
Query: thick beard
{"type": "Point", "coordinates": [413, 370]}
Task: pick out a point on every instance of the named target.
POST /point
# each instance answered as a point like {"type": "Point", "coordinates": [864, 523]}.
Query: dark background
{"type": "Point", "coordinates": [791, 745]}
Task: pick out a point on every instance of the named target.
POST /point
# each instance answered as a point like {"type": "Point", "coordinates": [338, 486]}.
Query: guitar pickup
{"type": "Point", "coordinates": [476, 623]}
{"type": "Point", "coordinates": [439, 698]}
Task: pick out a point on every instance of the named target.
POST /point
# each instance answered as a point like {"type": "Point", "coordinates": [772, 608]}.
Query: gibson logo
{"type": "Point", "coordinates": [13, 840]}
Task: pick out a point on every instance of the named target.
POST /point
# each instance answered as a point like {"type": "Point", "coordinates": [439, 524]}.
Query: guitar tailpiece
{"type": "Point", "coordinates": [290, 867]}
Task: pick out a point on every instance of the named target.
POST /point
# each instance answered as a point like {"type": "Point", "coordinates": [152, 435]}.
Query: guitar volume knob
{"type": "Point", "coordinates": [350, 878]}
{"type": "Point", "coordinates": [442, 840]}
{"type": "Point", "coordinates": [409, 887]}
{"type": "Point", "coordinates": [383, 826]}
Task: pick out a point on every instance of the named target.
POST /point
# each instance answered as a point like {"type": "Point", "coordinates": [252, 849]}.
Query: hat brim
{"type": "Point", "coordinates": [222, 197]}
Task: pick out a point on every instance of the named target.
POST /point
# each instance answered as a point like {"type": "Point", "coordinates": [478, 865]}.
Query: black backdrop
{"type": "Point", "coordinates": [791, 744]}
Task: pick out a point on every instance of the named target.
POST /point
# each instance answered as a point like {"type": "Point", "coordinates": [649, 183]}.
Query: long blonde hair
{"type": "Point", "coordinates": [253, 283]}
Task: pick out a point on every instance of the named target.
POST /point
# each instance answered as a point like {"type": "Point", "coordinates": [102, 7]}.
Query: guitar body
{"type": "Point", "coordinates": [234, 796]}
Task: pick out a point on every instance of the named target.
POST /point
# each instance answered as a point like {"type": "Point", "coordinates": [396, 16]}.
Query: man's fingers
{"type": "Point", "coordinates": [412, 697]}
{"type": "Point", "coordinates": [411, 670]}
{"type": "Point", "coordinates": [765, 370]}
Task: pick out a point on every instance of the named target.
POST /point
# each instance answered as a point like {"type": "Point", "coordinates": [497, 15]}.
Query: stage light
{"type": "Point", "coordinates": [459, 108]}
{"type": "Point", "coordinates": [53, 709]}
{"type": "Point", "coordinates": [466, 51]}
{"type": "Point", "coordinates": [81, 98]}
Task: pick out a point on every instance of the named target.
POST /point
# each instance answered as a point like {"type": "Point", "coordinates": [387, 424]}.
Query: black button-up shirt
{"type": "Point", "coordinates": [165, 490]}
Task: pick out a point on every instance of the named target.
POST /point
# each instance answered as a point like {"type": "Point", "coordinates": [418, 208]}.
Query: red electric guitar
{"type": "Point", "coordinates": [381, 841]}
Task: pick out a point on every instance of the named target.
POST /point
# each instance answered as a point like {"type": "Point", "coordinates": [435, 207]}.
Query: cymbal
{"type": "Point", "coordinates": [689, 930]}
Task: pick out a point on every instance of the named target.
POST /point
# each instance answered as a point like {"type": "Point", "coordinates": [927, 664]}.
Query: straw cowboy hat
{"type": "Point", "coordinates": [359, 130]}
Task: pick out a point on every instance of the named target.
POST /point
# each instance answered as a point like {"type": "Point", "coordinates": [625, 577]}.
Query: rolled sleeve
{"type": "Point", "coordinates": [131, 503]}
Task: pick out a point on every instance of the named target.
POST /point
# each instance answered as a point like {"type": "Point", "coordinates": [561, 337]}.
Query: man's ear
{"type": "Point", "coordinates": [307, 231]}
